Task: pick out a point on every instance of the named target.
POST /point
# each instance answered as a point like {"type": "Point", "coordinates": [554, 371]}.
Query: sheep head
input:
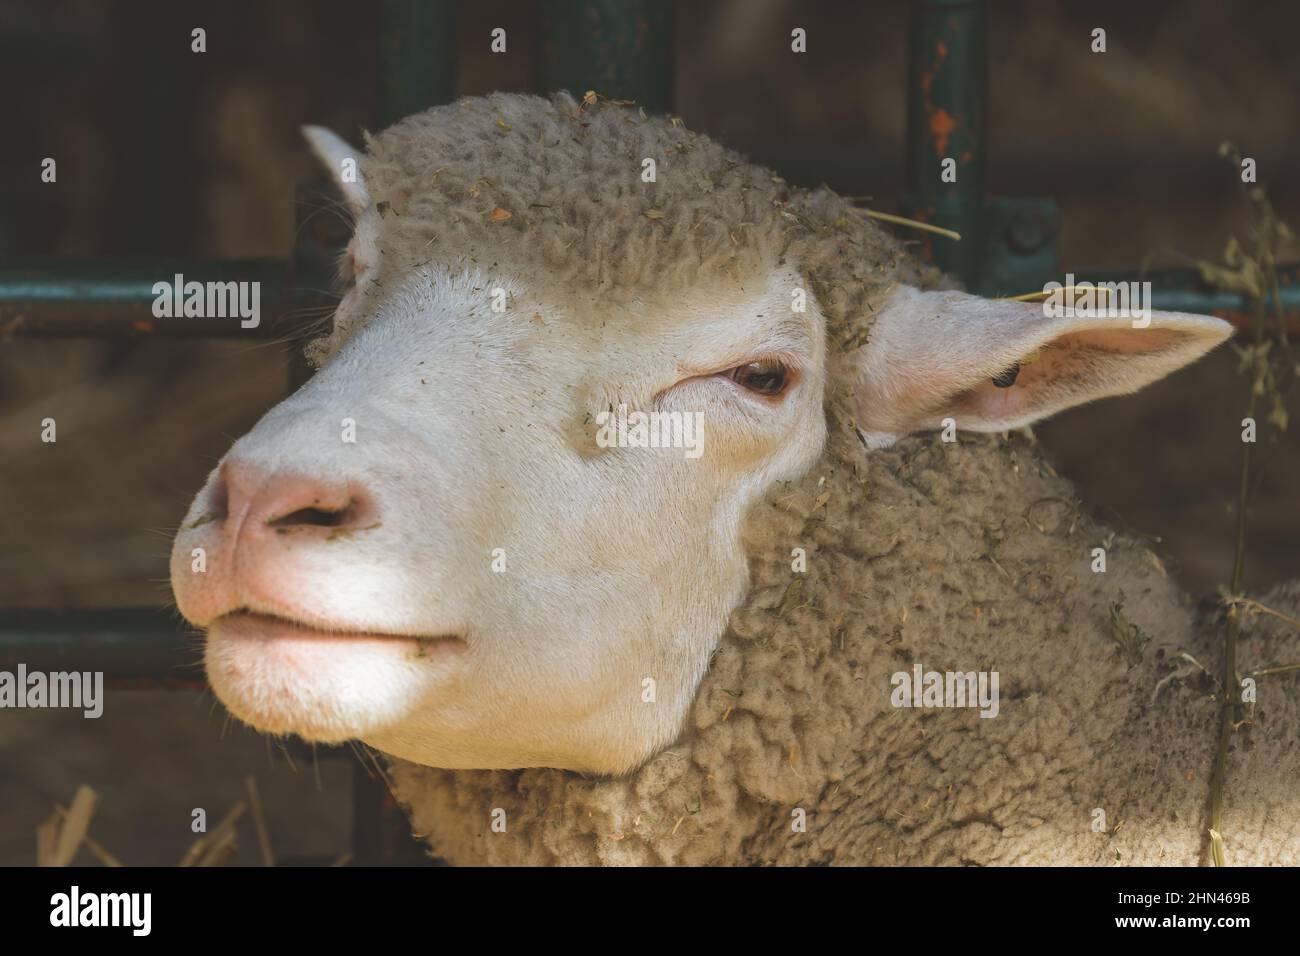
{"type": "Point", "coordinates": [502, 526]}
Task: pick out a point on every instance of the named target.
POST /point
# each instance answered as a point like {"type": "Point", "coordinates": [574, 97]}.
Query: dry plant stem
{"type": "Point", "coordinates": [46, 835]}
{"type": "Point", "coordinates": [1254, 605]}
{"type": "Point", "coordinates": [913, 223]}
{"type": "Point", "coordinates": [1280, 669]}
{"type": "Point", "coordinates": [1232, 628]}
{"type": "Point", "coordinates": [214, 842]}
{"type": "Point", "coordinates": [75, 823]}
{"type": "Point", "coordinates": [1267, 233]}
{"type": "Point", "coordinates": [259, 821]}
{"type": "Point", "coordinates": [96, 849]}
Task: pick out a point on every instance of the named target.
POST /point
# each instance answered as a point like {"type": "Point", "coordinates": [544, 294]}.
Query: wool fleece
{"type": "Point", "coordinates": [549, 191]}
{"type": "Point", "coordinates": [965, 556]}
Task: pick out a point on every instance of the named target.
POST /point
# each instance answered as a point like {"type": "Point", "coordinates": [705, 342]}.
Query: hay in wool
{"type": "Point", "coordinates": [965, 556]}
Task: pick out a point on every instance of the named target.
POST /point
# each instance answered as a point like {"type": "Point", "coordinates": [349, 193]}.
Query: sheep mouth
{"type": "Point", "coordinates": [248, 624]}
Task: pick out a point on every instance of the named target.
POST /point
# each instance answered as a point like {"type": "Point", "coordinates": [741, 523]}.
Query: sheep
{"type": "Point", "coordinates": [573, 653]}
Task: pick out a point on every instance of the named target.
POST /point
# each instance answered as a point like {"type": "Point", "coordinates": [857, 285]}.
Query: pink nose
{"type": "Point", "coordinates": [257, 505]}
{"type": "Point", "coordinates": [259, 530]}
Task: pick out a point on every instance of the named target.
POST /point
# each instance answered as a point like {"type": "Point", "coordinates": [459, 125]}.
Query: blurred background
{"type": "Point", "coordinates": [163, 152]}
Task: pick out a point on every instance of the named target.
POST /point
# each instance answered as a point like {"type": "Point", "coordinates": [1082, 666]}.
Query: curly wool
{"type": "Point", "coordinates": [965, 556]}
{"type": "Point", "coordinates": [580, 217]}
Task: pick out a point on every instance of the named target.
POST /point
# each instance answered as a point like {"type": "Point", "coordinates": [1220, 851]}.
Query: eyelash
{"type": "Point", "coordinates": [764, 367]}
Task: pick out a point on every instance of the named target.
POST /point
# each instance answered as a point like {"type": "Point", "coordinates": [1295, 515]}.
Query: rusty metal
{"type": "Point", "coordinates": [946, 103]}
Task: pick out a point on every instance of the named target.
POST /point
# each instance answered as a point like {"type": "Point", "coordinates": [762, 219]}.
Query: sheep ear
{"type": "Point", "coordinates": [341, 160]}
{"type": "Point", "coordinates": [935, 355]}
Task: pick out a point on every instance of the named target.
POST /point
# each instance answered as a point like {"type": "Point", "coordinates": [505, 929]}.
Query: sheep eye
{"type": "Point", "coordinates": [766, 377]}
{"type": "Point", "coordinates": [1008, 378]}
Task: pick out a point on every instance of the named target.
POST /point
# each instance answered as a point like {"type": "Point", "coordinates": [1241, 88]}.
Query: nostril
{"type": "Point", "coordinates": [287, 502]}
{"type": "Point", "coordinates": [258, 500]}
{"type": "Point", "coordinates": [319, 517]}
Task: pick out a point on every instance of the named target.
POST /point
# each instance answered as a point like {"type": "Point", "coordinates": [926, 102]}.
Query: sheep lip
{"type": "Point", "coordinates": [275, 626]}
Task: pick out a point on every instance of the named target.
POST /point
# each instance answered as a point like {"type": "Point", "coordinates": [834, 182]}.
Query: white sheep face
{"type": "Point", "coordinates": [428, 548]}
{"type": "Point", "coordinates": [473, 581]}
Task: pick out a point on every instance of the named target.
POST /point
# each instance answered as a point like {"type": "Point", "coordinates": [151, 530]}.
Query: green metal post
{"type": "Point", "coordinates": [133, 644]}
{"type": "Point", "coordinates": [946, 121]}
{"type": "Point", "coordinates": [110, 299]}
{"type": "Point", "coordinates": [417, 56]}
{"type": "Point", "coordinates": [619, 48]}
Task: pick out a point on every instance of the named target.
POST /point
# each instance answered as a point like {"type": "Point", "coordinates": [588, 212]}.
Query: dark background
{"type": "Point", "coordinates": [163, 152]}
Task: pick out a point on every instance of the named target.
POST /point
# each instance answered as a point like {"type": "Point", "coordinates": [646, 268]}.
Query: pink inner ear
{"type": "Point", "coordinates": [988, 402]}
{"type": "Point", "coordinates": [1068, 362]}
{"type": "Point", "coordinates": [1121, 341]}
{"type": "Point", "coordinates": [1065, 358]}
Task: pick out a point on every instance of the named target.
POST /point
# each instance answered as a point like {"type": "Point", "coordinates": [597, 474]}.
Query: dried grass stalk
{"type": "Point", "coordinates": [96, 848]}
{"type": "Point", "coordinates": [75, 825]}
{"type": "Point", "coordinates": [214, 839]}
{"type": "Point", "coordinates": [911, 223]}
{"type": "Point", "coordinates": [259, 821]}
{"type": "Point", "coordinates": [47, 834]}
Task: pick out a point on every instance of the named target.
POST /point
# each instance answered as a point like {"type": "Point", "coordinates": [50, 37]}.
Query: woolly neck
{"type": "Point", "coordinates": [969, 556]}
